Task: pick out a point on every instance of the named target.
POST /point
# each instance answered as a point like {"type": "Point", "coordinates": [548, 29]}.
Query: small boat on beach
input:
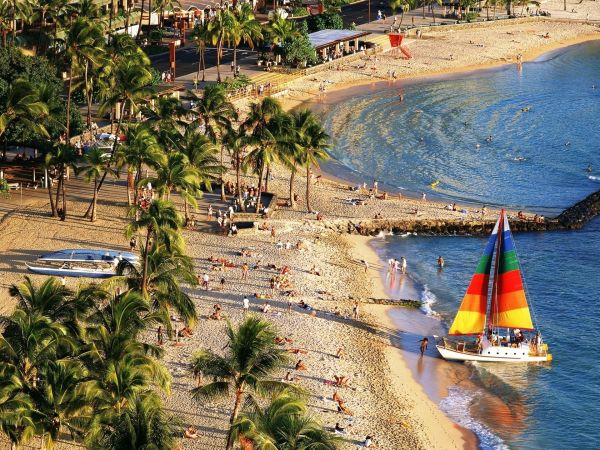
{"type": "Point", "coordinates": [501, 331]}
{"type": "Point", "coordinates": [81, 263]}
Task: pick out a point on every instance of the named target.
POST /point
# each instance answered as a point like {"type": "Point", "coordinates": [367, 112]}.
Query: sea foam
{"type": "Point", "coordinates": [456, 406]}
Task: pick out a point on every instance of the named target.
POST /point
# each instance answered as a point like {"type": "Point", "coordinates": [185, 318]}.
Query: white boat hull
{"type": "Point", "coordinates": [73, 272]}
{"type": "Point", "coordinates": [494, 354]}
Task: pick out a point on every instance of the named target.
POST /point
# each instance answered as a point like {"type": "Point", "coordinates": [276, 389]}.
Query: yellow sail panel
{"type": "Point", "coordinates": [467, 322]}
{"type": "Point", "coordinates": [515, 318]}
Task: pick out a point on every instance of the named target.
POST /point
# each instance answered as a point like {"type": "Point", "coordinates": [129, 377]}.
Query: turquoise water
{"type": "Point", "coordinates": [542, 407]}
{"type": "Point", "coordinates": [536, 159]}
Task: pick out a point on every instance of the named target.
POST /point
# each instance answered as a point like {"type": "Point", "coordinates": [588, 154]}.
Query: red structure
{"type": "Point", "coordinates": [395, 39]}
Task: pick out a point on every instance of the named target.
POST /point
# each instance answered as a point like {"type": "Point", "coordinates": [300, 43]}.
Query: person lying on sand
{"type": "Point", "coordinates": [300, 365]}
{"type": "Point", "coordinates": [368, 442]}
{"type": "Point", "coordinates": [261, 296]}
{"type": "Point", "coordinates": [191, 433]}
{"type": "Point", "coordinates": [216, 315]}
{"type": "Point", "coordinates": [283, 340]}
{"type": "Point", "coordinates": [341, 381]}
{"type": "Point", "coordinates": [336, 397]}
{"type": "Point", "coordinates": [297, 351]}
{"type": "Point", "coordinates": [289, 377]}
{"type": "Point", "coordinates": [338, 429]}
{"type": "Point", "coordinates": [342, 408]}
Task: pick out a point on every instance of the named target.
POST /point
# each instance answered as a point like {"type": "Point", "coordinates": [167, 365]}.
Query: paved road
{"type": "Point", "coordinates": [187, 59]}
{"type": "Point", "coordinates": [359, 12]}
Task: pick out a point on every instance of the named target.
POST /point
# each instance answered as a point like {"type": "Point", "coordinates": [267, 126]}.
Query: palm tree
{"type": "Point", "coordinates": [15, 413]}
{"type": "Point", "coordinates": [266, 125]}
{"type": "Point", "coordinates": [129, 86]}
{"type": "Point", "coordinates": [219, 30]}
{"type": "Point", "coordinates": [161, 222]}
{"type": "Point", "coordinates": [237, 143]}
{"type": "Point", "coordinates": [313, 144]}
{"type": "Point", "coordinates": [251, 359]}
{"type": "Point", "coordinates": [201, 153]}
{"type": "Point", "coordinates": [63, 401]}
{"type": "Point", "coordinates": [201, 37]}
{"type": "Point", "coordinates": [166, 270]}
{"type": "Point", "coordinates": [165, 117]}
{"type": "Point", "coordinates": [22, 105]}
{"type": "Point", "coordinates": [139, 150]}
{"type": "Point", "coordinates": [16, 9]}
{"type": "Point", "coordinates": [284, 424]}
{"type": "Point", "coordinates": [216, 113]}
{"type": "Point", "coordinates": [62, 158]}
{"type": "Point", "coordinates": [247, 29]}
{"type": "Point", "coordinates": [83, 48]}
{"type": "Point", "coordinates": [143, 425]}
{"type": "Point", "coordinates": [178, 174]}
{"type": "Point", "coordinates": [122, 365]}
{"type": "Point", "coordinates": [94, 166]}
{"type": "Point", "coordinates": [281, 29]}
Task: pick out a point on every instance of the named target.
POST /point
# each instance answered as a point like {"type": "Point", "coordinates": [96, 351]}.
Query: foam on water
{"type": "Point", "coordinates": [428, 299]}
{"type": "Point", "coordinates": [456, 406]}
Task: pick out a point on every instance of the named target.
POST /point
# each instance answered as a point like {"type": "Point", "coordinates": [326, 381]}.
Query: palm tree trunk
{"type": "Point", "coordinates": [69, 94]}
{"type": "Point", "coordinates": [260, 178]}
{"type": "Point", "coordinates": [308, 189]}
{"type": "Point", "coordinates": [432, 12]}
{"type": "Point", "coordinates": [292, 177]}
{"type": "Point", "coordinates": [223, 198]}
{"type": "Point", "coordinates": [203, 64]}
{"type": "Point", "coordinates": [236, 410]}
{"type": "Point", "coordinates": [141, 18]}
{"type": "Point", "coordinates": [94, 200]}
{"type": "Point", "coordinates": [127, 16]}
{"type": "Point", "coordinates": [129, 185]}
{"type": "Point", "coordinates": [145, 271]}
{"type": "Point", "coordinates": [238, 164]}
{"type": "Point", "coordinates": [219, 46]}
{"type": "Point", "coordinates": [186, 214]}
{"type": "Point", "coordinates": [52, 204]}
{"type": "Point", "coordinates": [42, 25]}
{"type": "Point", "coordinates": [234, 58]}
{"type": "Point", "coordinates": [64, 202]}
{"type": "Point", "coordinates": [267, 178]}
{"type": "Point", "coordinates": [59, 186]}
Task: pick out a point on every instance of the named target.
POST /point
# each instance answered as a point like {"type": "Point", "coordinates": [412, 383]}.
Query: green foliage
{"type": "Point", "coordinates": [299, 51]}
{"type": "Point", "coordinates": [237, 83]}
{"type": "Point", "coordinates": [298, 11]}
{"type": "Point", "coordinates": [4, 189]}
{"type": "Point", "coordinates": [37, 70]}
{"type": "Point", "coordinates": [329, 20]}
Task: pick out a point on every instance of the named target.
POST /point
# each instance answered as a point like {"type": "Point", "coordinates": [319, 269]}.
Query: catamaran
{"type": "Point", "coordinates": [503, 330]}
{"type": "Point", "coordinates": [81, 263]}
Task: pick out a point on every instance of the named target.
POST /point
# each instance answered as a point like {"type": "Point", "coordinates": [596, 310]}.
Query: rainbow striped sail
{"type": "Point", "coordinates": [470, 318]}
{"type": "Point", "coordinates": [509, 307]}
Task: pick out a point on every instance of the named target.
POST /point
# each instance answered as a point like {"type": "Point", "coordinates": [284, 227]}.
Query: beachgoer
{"type": "Point", "coordinates": [246, 304]}
{"type": "Point", "coordinates": [423, 196]}
{"type": "Point", "coordinates": [132, 244]}
{"type": "Point", "coordinates": [244, 271]}
{"type": "Point", "coordinates": [402, 264]}
{"type": "Point", "coordinates": [338, 428]}
{"type": "Point", "coordinates": [205, 280]}
{"type": "Point", "coordinates": [300, 365]}
{"type": "Point", "coordinates": [423, 345]}
{"type": "Point", "coordinates": [266, 307]}
{"type": "Point", "coordinates": [222, 283]}
{"type": "Point", "coordinates": [368, 442]}
{"type": "Point", "coordinates": [191, 433]}
{"type": "Point", "coordinates": [272, 233]}
{"type": "Point", "coordinates": [366, 263]}
{"type": "Point", "coordinates": [159, 334]}
{"type": "Point", "coordinates": [340, 353]}
{"type": "Point", "coordinates": [441, 262]}
{"type": "Point", "coordinates": [63, 281]}
{"type": "Point", "coordinates": [355, 310]}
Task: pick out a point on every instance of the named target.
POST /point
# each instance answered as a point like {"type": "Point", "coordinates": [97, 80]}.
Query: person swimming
{"type": "Point", "coordinates": [526, 109]}
{"type": "Point", "coordinates": [589, 168]}
{"type": "Point", "coordinates": [520, 158]}
{"type": "Point", "coordinates": [489, 138]}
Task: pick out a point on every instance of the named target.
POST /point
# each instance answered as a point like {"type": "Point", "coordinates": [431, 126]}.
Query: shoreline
{"type": "Point", "coordinates": [402, 377]}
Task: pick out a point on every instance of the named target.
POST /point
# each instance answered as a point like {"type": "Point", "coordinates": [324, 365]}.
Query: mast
{"type": "Point", "coordinates": [494, 298]}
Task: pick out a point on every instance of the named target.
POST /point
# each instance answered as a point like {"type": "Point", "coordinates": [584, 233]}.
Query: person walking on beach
{"type": "Point", "coordinates": [423, 345]}
{"type": "Point", "coordinates": [205, 280]}
{"type": "Point", "coordinates": [403, 265]}
{"type": "Point", "coordinates": [159, 333]}
{"type": "Point", "coordinates": [272, 233]}
{"type": "Point", "coordinates": [366, 263]}
{"type": "Point", "coordinates": [132, 244]}
{"type": "Point", "coordinates": [355, 310]}
{"type": "Point", "coordinates": [245, 271]}
{"type": "Point", "coordinates": [246, 305]}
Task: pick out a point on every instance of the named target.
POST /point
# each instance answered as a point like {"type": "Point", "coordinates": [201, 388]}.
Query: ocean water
{"type": "Point", "coordinates": [440, 132]}
{"type": "Point", "coordinates": [536, 159]}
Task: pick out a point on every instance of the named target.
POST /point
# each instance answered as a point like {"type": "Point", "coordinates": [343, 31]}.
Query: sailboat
{"type": "Point", "coordinates": [501, 331]}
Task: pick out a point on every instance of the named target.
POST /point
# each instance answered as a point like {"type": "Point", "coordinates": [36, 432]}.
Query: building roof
{"type": "Point", "coordinates": [327, 38]}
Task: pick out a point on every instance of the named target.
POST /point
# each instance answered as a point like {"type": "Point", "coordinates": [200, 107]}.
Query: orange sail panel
{"type": "Point", "coordinates": [509, 307]}
{"type": "Point", "coordinates": [470, 318]}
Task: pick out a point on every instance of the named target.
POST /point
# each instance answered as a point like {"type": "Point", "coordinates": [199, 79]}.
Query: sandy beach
{"type": "Point", "coordinates": [388, 396]}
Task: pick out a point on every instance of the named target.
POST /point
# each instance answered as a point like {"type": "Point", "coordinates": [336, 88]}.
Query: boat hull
{"type": "Point", "coordinates": [494, 354]}
{"type": "Point", "coordinates": [75, 272]}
